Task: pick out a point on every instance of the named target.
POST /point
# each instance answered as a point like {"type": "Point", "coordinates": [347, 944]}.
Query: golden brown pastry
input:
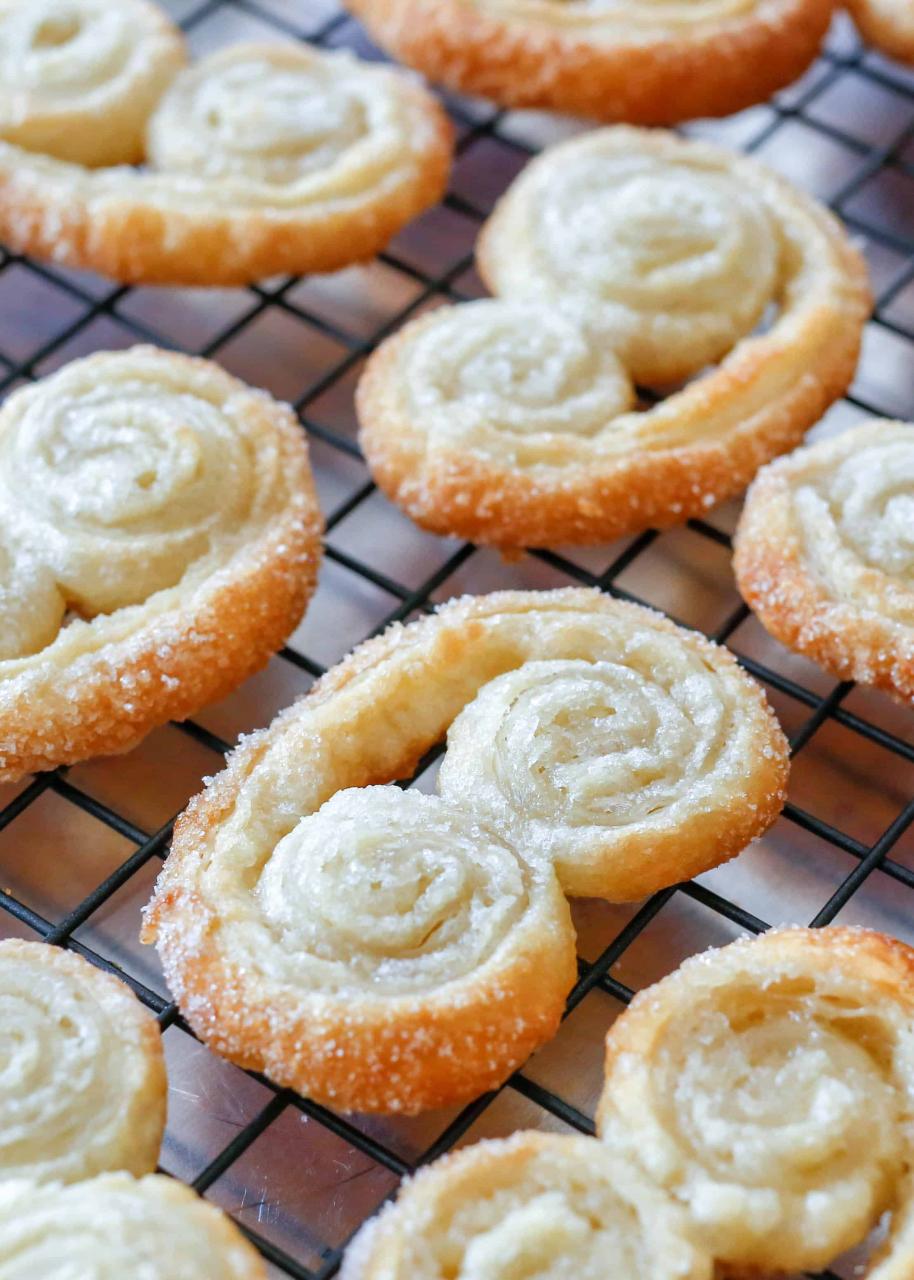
{"type": "Point", "coordinates": [767, 1087]}
{"type": "Point", "coordinates": [622, 257]}
{"type": "Point", "coordinates": [159, 538]}
{"type": "Point", "coordinates": [115, 1226]}
{"type": "Point", "coordinates": [263, 159]}
{"type": "Point", "coordinates": [78, 78]}
{"type": "Point", "coordinates": [82, 1075]}
{"type": "Point", "coordinates": [642, 61]}
{"type": "Point", "coordinates": [382, 951]}
{"type": "Point", "coordinates": [824, 554]}
{"type": "Point", "coordinates": [537, 1206]}
{"type": "Point", "coordinates": [887, 24]}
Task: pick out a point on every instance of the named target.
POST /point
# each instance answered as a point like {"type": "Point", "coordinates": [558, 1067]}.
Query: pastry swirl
{"type": "Point", "coordinates": [78, 78]}
{"type": "Point", "coordinates": [390, 952]}
{"type": "Point", "coordinates": [270, 116]}
{"type": "Point", "coordinates": [641, 61]}
{"type": "Point", "coordinates": [767, 1087]}
{"type": "Point", "coordinates": [673, 248]}
{"type": "Point", "coordinates": [82, 1076]}
{"type": "Point", "coordinates": [482, 376]}
{"type": "Point", "coordinates": [400, 891]}
{"type": "Point", "coordinates": [170, 509]}
{"type": "Point", "coordinates": [824, 554]}
{"type": "Point", "coordinates": [623, 256]}
{"type": "Point", "coordinates": [124, 482]}
{"type": "Point", "coordinates": [263, 159]}
{"type": "Point", "coordinates": [541, 1206]}
{"type": "Point", "coordinates": [112, 1226]}
{"type": "Point", "coordinates": [425, 955]}
{"type": "Point", "coordinates": [600, 765]}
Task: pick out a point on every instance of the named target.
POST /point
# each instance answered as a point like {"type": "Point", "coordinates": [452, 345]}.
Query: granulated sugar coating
{"type": "Point", "coordinates": [608, 745]}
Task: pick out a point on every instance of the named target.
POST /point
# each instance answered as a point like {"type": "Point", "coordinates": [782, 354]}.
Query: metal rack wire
{"type": "Point", "coordinates": [78, 848]}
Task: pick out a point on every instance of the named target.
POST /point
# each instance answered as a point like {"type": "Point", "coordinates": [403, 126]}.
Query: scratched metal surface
{"type": "Point", "coordinates": [79, 849]}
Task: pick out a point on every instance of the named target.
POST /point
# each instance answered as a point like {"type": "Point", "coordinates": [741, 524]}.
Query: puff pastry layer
{"type": "Point", "coordinates": [887, 24]}
{"type": "Point", "coordinates": [824, 554]}
{"type": "Point", "coordinates": [159, 538]}
{"type": "Point", "coordinates": [642, 61]}
{"type": "Point", "coordinates": [82, 1076]}
{"type": "Point", "coordinates": [263, 159]}
{"type": "Point", "coordinates": [114, 1226]}
{"type": "Point", "coordinates": [622, 257]}
{"type": "Point", "coordinates": [767, 1087]}
{"type": "Point", "coordinates": [79, 78]}
{"type": "Point", "coordinates": [390, 952]}
{"type": "Point", "coordinates": [536, 1205]}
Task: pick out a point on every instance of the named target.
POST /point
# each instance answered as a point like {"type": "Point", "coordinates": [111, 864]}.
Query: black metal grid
{"type": "Point", "coordinates": [853, 108]}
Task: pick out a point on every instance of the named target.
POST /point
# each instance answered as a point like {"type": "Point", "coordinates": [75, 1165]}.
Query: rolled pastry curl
{"type": "Point", "coordinates": [432, 957]}
{"type": "Point", "coordinates": [627, 770]}
{"type": "Point", "coordinates": [622, 257]}
{"type": "Point", "coordinates": [824, 554]}
{"type": "Point", "coordinates": [115, 1226]}
{"type": "Point", "coordinates": [388, 952]}
{"type": "Point", "coordinates": [887, 24]}
{"type": "Point", "coordinates": [263, 159]}
{"type": "Point", "coordinates": [537, 1205]}
{"type": "Point", "coordinates": [641, 61]}
{"type": "Point", "coordinates": [79, 78]}
{"type": "Point", "coordinates": [768, 1088]}
{"type": "Point", "coordinates": [82, 1075]}
{"type": "Point", "coordinates": [396, 954]}
{"type": "Point", "coordinates": [159, 538]}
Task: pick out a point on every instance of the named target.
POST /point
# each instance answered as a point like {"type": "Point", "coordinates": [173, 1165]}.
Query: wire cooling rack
{"type": "Point", "coordinates": [79, 849]}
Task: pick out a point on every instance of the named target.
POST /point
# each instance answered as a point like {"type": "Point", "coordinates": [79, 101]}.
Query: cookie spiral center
{"type": "Point", "coordinates": [655, 236]}
{"type": "Point", "coordinates": [596, 743]}
{"type": "Point", "coordinates": [491, 368]}
{"type": "Point", "coordinates": [672, 255]}
{"type": "Point", "coordinates": [785, 1118]}
{"type": "Point", "coordinates": [276, 122]}
{"type": "Point", "coordinates": [61, 51]}
{"type": "Point", "coordinates": [396, 889]}
{"type": "Point", "coordinates": [276, 117]}
{"type": "Point", "coordinates": [121, 486]}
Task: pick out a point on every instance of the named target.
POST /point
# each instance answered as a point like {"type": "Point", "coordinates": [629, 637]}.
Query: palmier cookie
{"type": "Point", "coordinates": [263, 159]}
{"type": "Point", "coordinates": [79, 78]}
{"type": "Point", "coordinates": [536, 1205]}
{"type": "Point", "coordinates": [391, 951]}
{"type": "Point", "coordinates": [769, 1088]}
{"type": "Point", "coordinates": [115, 1226]}
{"type": "Point", "coordinates": [887, 24]}
{"type": "Point", "coordinates": [82, 1077]}
{"type": "Point", "coordinates": [825, 554]}
{"type": "Point", "coordinates": [632, 60]}
{"type": "Point", "coordinates": [159, 538]}
{"type": "Point", "coordinates": [622, 257]}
